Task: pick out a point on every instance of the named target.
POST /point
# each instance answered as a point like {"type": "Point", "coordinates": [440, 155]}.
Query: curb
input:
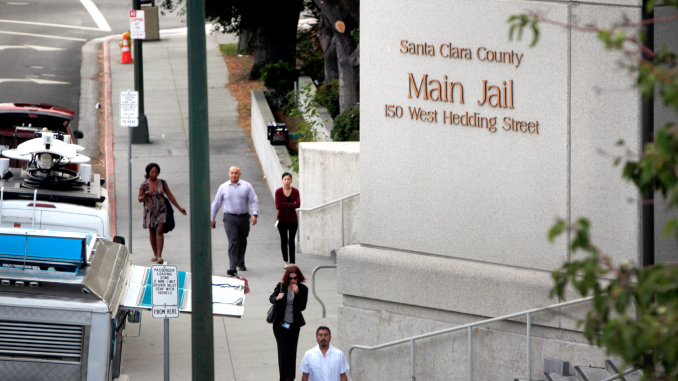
{"type": "Point", "coordinates": [108, 136]}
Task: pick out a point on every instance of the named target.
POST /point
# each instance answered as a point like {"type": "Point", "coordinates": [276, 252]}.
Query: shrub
{"type": "Point", "coordinates": [229, 50]}
{"type": "Point", "coordinates": [313, 65]}
{"type": "Point", "coordinates": [309, 121]}
{"type": "Point", "coordinates": [280, 77]}
{"type": "Point", "coordinates": [309, 53]}
{"type": "Point", "coordinates": [327, 96]}
{"type": "Point", "coordinates": [347, 126]}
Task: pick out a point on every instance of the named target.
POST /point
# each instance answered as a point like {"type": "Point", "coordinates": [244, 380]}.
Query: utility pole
{"type": "Point", "coordinates": [647, 132]}
{"type": "Point", "coordinates": [202, 330]}
{"type": "Point", "coordinates": [139, 134]}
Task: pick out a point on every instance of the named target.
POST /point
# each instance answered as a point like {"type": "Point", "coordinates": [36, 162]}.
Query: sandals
{"type": "Point", "coordinates": [154, 259]}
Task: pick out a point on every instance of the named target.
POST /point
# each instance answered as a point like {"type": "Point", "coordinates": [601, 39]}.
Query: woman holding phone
{"type": "Point", "coordinates": [291, 297]}
{"type": "Point", "coordinates": [154, 193]}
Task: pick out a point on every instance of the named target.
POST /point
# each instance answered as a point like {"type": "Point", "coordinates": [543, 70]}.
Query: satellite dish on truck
{"type": "Point", "coordinates": [48, 155]}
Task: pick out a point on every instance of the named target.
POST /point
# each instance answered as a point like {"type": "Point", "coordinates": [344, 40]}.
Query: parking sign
{"type": "Point", "coordinates": [137, 25]}
{"type": "Point", "coordinates": [129, 108]}
{"type": "Point", "coordinates": [165, 291]}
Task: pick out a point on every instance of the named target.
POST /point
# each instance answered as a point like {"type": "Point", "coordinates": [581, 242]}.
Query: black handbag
{"type": "Point", "coordinates": [169, 215]}
{"type": "Point", "coordinates": [273, 312]}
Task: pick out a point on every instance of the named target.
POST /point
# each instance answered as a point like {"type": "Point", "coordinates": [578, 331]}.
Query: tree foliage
{"type": "Point", "coordinates": [635, 309]}
{"type": "Point", "coordinates": [272, 23]}
{"type": "Point", "coordinates": [346, 127]}
{"type": "Point", "coordinates": [634, 315]}
{"type": "Point", "coordinates": [280, 77]}
{"type": "Point", "coordinates": [327, 96]}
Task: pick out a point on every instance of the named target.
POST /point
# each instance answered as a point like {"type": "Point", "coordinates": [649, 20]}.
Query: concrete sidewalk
{"type": "Point", "coordinates": [245, 348]}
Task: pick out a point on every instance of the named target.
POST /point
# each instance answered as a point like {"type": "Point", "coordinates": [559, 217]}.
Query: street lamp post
{"type": "Point", "coordinates": [202, 330]}
{"type": "Point", "coordinates": [140, 133]}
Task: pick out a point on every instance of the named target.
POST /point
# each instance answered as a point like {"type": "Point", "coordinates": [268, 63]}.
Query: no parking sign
{"type": "Point", "coordinates": [137, 25]}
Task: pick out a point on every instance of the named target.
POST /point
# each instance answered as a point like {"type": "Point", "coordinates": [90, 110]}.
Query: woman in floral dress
{"type": "Point", "coordinates": [152, 193]}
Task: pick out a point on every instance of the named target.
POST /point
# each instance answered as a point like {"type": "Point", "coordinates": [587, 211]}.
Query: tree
{"type": "Point", "coordinates": [329, 47]}
{"type": "Point", "coordinates": [273, 24]}
{"type": "Point", "coordinates": [635, 311]}
{"type": "Point", "coordinates": [340, 19]}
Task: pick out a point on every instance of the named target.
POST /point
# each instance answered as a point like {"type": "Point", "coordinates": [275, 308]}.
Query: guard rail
{"type": "Point", "coordinates": [341, 206]}
{"type": "Point", "coordinates": [469, 328]}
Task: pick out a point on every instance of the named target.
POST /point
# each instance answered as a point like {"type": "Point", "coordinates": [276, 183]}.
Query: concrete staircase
{"type": "Point", "coordinates": [558, 370]}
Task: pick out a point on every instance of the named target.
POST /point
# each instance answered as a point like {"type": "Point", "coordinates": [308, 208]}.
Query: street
{"type": "Point", "coordinates": [41, 42]}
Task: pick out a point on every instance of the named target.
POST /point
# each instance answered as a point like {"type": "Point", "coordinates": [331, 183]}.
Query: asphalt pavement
{"type": "Point", "coordinates": [40, 52]}
{"type": "Point", "coordinates": [245, 348]}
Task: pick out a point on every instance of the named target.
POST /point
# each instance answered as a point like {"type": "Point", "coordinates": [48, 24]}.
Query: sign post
{"type": "Point", "coordinates": [165, 299]}
{"type": "Point", "coordinates": [129, 117]}
{"type": "Point", "coordinates": [202, 322]}
{"type": "Point", "coordinates": [137, 27]}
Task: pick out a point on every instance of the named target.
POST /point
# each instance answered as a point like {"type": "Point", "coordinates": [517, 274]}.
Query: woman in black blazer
{"type": "Point", "coordinates": [291, 297]}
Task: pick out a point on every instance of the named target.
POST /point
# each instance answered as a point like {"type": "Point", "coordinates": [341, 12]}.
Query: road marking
{"type": "Point", "coordinates": [96, 15]}
{"type": "Point", "coordinates": [37, 67]}
{"type": "Point", "coordinates": [34, 47]}
{"type": "Point", "coordinates": [43, 36]}
{"type": "Point", "coordinates": [44, 48]}
{"type": "Point", "coordinates": [14, 3]}
{"type": "Point", "coordinates": [52, 25]}
{"type": "Point", "coordinates": [48, 82]}
{"type": "Point", "coordinates": [34, 80]}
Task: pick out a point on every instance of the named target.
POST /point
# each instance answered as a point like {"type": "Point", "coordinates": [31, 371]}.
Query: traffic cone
{"type": "Point", "coordinates": [126, 55]}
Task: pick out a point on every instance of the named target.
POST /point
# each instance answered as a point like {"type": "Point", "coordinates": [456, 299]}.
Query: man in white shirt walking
{"type": "Point", "coordinates": [324, 362]}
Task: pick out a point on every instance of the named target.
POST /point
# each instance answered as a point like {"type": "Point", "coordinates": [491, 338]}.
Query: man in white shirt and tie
{"type": "Point", "coordinates": [324, 362]}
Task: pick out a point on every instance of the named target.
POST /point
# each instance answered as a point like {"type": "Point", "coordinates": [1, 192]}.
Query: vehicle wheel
{"type": "Point", "coordinates": [119, 239]}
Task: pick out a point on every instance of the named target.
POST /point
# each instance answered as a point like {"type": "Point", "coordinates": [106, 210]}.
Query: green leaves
{"type": "Point", "coordinates": [301, 105]}
{"type": "Point", "coordinates": [612, 38]}
{"type": "Point", "coordinates": [634, 313]}
{"type": "Point", "coordinates": [522, 21]}
{"type": "Point", "coordinates": [670, 227]}
{"type": "Point", "coordinates": [557, 229]}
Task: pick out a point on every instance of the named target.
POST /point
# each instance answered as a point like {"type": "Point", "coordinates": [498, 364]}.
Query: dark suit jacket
{"type": "Point", "coordinates": [298, 305]}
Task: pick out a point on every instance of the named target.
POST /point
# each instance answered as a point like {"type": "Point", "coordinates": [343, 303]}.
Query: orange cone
{"type": "Point", "coordinates": [126, 55]}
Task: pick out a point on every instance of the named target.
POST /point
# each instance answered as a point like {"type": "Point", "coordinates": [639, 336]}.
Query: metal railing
{"type": "Point", "coordinates": [341, 206]}
{"type": "Point", "coordinates": [469, 328]}
{"type": "Point", "coordinates": [313, 283]}
{"type": "Point", "coordinates": [620, 374]}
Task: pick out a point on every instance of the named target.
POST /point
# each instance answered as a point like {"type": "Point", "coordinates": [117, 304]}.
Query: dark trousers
{"type": "Point", "coordinates": [287, 229]}
{"type": "Point", "coordinates": [237, 230]}
{"type": "Point", "coordinates": [287, 340]}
